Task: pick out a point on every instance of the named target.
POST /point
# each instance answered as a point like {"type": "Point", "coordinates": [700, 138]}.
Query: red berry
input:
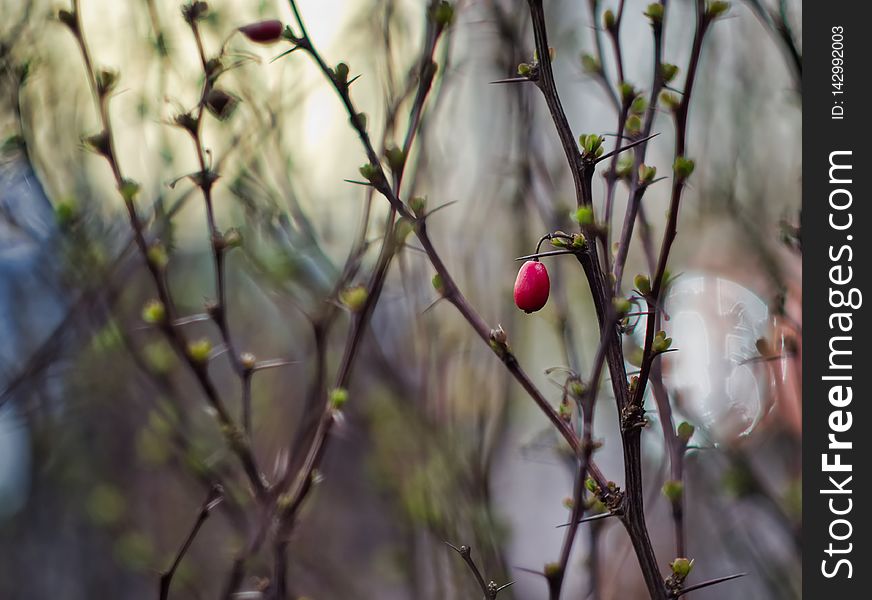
{"type": "Point", "coordinates": [263, 32]}
{"type": "Point", "coordinates": [532, 286]}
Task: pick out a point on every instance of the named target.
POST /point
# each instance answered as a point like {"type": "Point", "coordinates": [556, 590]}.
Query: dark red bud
{"type": "Point", "coordinates": [263, 32]}
{"type": "Point", "coordinates": [532, 286]}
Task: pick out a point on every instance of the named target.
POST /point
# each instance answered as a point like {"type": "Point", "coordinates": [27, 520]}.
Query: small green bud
{"type": "Point", "coordinates": [200, 350]}
{"type": "Point", "coordinates": [590, 63]}
{"type": "Point", "coordinates": [591, 485]}
{"type": "Point", "coordinates": [578, 240]}
{"type": "Point", "coordinates": [369, 171]}
{"type": "Point", "coordinates": [418, 204]}
{"type": "Point", "coordinates": [65, 212]}
{"type": "Point", "coordinates": [716, 8]}
{"type": "Point", "coordinates": [668, 71]}
{"type": "Point", "coordinates": [438, 284]}
{"type": "Point", "coordinates": [157, 255]}
{"type": "Point", "coordinates": [525, 69]}
{"type": "Point", "coordinates": [673, 490]}
{"type": "Point", "coordinates": [670, 100]}
{"type": "Point", "coordinates": [647, 174]}
{"type": "Point", "coordinates": [577, 388]}
{"type": "Point", "coordinates": [685, 431]}
{"type": "Point", "coordinates": [154, 312]}
{"type": "Point", "coordinates": [565, 411]}
{"type": "Point", "coordinates": [403, 230]}
{"type": "Point", "coordinates": [661, 342]}
{"type": "Point", "coordinates": [681, 567]}
{"type": "Point", "coordinates": [609, 19]}
{"type": "Point", "coordinates": [590, 143]}
{"type": "Point", "coordinates": [284, 501]}
{"type": "Point", "coordinates": [442, 13]}
{"type": "Point", "coordinates": [159, 357]}
{"type": "Point", "coordinates": [354, 298]}
{"type": "Point", "coordinates": [642, 283]}
{"type": "Point", "coordinates": [633, 124]}
{"type": "Point", "coordinates": [654, 12]}
{"type": "Point", "coordinates": [232, 238]}
{"type": "Point", "coordinates": [628, 92]}
{"type": "Point", "coordinates": [396, 158]}
{"type": "Point", "coordinates": [667, 278]}
{"type": "Point", "coordinates": [639, 105]}
{"type": "Point", "coordinates": [559, 242]}
{"type": "Point", "coordinates": [683, 167]}
{"type": "Point", "coordinates": [584, 215]}
{"type": "Point", "coordinates": [128, 190]}
{"type": "Point", "coordinates": [338, 398]}
{"type": "Point", "coordinates": [624, 166]}
{"type": "Point", "coordinates": [622, 306]}
{"type": "Point", "coordinates": [568, 503]}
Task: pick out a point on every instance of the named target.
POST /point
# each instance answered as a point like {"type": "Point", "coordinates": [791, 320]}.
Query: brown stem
{"type": "Point", "coordinates": [633, 516]}
{"type": "Point", "coordinates": [212, 500]}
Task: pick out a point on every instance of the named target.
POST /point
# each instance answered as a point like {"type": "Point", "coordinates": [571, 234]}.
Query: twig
{"type": "Point", "coordinates": [216, 495]}
{"type": "Point", "coordinates": [491, 589]}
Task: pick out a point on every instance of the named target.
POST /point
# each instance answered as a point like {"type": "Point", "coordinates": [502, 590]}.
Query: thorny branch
{"type": "Point", "coordinates": [104, 143]}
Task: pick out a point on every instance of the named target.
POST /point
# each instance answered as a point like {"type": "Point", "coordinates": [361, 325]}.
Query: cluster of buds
{"type": "Point", "coordinates": [683, 167]}
{"type": "Point", "coordinates": [591, 145]}
{"type": "Point", "coordinates": [661, 342]}
{"type": "Point", "coordinates": [611, 496]}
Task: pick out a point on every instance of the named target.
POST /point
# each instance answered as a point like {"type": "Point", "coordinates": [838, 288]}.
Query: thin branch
{"type": "Point", "coordinates": [491, 589]}
{"type": "Point", "coordinates": [465, 553]}
{"type": "Point", "coordinates": [216, 495]}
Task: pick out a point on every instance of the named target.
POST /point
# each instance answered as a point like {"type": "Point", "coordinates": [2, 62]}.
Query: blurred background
{"type": "Point", "coordinates": [107, 447]}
